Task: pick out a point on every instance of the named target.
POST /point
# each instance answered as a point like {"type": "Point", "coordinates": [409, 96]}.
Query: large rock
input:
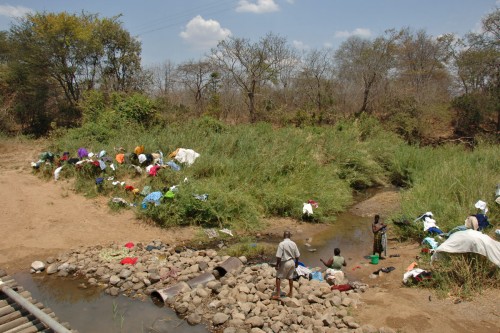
{"type": "Point", "coordinates": [52, 268]}
{"type": "Point", "coordinates": [194, 319]}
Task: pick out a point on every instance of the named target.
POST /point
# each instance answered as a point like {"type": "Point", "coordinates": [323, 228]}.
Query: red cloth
{"type": "Point", "coordinates": [129, 245]}
{"type": "Point", "coordinates": [313, 203]}
{"type": "Point", "coordinates": [342, 287]}
{"type": "Point", "coordinates": [128, 260]}
{"type": "Point", "coordinates": [154, 170]}
{"type": "Point", "coordinates": [96, 163]}
{"type": "Point", "coordinates": [129, 188]}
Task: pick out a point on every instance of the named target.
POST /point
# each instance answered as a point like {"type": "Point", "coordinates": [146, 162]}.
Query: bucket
{"type": "Point", "coordinates": [374, 259]}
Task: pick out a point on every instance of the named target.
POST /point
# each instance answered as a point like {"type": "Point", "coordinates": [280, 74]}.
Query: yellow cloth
{"type": "Point", "coordinates": [139, 150]}
{"type": "Point", "coordinates": [174, 153]}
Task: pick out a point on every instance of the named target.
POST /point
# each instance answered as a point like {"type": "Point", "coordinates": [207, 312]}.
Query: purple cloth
{"type": "Point", "coordinates": [82, 152]}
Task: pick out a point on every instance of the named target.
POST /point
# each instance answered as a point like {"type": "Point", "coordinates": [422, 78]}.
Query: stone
{"type": "Point", "coordinates": [37, 266]}
{"type": "Point", "coordinates": [52, 268]}
{"type": "Point", "coordinates": [114, 279]}
{"type": "Point", "coordinates": [193, 319]}
{"type": "Point", "coordinates": [219, 318]}
{"type": "Point", "coordinates": [255, 321]}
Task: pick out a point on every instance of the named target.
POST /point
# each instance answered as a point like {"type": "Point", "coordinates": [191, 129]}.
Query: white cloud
{"type": "Point", "coordinates": [258, 7]}
{"type": "Point", "coordinates": [361, 32]}
{"type": "Point", "coordinates": [14, 11]}
{"type": "Point", "coordinates": [327, 45]}
{"type": "Point", "coordinates": [299, 45]}
{"type": "Point", "coordinates": [204, 34]}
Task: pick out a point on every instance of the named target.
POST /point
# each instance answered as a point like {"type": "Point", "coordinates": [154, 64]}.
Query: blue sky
{"type": "Point", "coordinates": [182, 30]}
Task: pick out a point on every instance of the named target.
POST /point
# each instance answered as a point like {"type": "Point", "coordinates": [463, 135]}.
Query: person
{"type": "Point", "coordinates": [334, 274]}
{"type": "Point", "coordinates": [287, 259]}
{"type": "Point", "coordinates": [378, 229]}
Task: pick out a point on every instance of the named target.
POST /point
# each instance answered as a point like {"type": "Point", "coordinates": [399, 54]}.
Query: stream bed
{"type": "Point", "coordinates": [91, 310]}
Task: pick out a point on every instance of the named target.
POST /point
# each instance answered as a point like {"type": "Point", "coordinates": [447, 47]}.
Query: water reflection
{"type": "Point", "coordinates": [90, 310]}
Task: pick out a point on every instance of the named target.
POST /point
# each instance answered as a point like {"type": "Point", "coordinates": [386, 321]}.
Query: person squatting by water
{"type": "Point", "coordinates": [287, 259]}
{"type": "Point", "coordinates": [334, 274]}
{"type": "Point", "coordinates": [378, 229]}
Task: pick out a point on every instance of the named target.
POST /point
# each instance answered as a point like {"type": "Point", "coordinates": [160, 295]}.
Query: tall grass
{"type": "Point", "coordinates": [248, 171]}
{"type": "Point", "coordinates": [448, 181]}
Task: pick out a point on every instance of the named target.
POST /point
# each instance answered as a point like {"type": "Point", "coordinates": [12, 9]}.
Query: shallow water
{"type": "Point", "coordinates": [352, 234]}
{"type": "Point", "coordinates": [90, 310]}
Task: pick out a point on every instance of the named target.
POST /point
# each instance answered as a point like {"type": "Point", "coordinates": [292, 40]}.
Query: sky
{"type": "Point", "coordinates": [186, 30]}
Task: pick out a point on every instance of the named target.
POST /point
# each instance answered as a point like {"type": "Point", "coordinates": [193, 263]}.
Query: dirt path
{"type": "Point", "coordinates": [39, 219]}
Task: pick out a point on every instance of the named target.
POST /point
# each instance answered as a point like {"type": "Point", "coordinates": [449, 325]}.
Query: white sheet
{"type": "Point", "coordinates": [471, 241]}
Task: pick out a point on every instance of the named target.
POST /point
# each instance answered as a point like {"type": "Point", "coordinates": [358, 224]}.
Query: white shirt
{"type": "Point", "coordinates": [429, 223]}
{"type": "Point", "coordinates": [287, 250]}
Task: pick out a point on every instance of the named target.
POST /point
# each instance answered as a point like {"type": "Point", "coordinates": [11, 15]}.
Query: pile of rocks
{"type": "Point", "coordinates": [239, 301]}
{"type": "Point", "coordinates": [158, 265]}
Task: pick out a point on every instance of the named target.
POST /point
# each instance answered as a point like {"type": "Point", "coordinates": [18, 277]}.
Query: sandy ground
{"type": "Point", "coordinates": [42, 218]}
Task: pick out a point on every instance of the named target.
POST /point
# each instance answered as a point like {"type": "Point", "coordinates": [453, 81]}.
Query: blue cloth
{"type": "Point", "coordinates": [153, 197]}
{"type": "Point", "coordinates": [434, 230]}
{"type": "Point", "coordinates": [173, 165]}
{"type": "Point", "coordinates": [482, 221]}
{"type": "Point", "coordinates": [317, 276]}
{"type": "Point", "coordinates": [431, 242]}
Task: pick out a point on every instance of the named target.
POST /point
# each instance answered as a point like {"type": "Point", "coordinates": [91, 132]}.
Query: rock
{"type": "Point", "coordinates": [255, 321]}
{"type": "Point", "coordinates": [194, 319]}
{"type": "Point", "coordinates": [125, 273]}
{"type": "Point", "coordinates": [37, 266]}
{"type": "Point", "coordinates": [113, 291]}
{"type": "Point", "coordinates": [346, 302]}
{"type": "Point", "coordinates": [243, 259]}
{"type": "Point", "coordinates": [113, 280]}
{"type": "Point", "coordinates": [52, 268]}
{"type": "Point", "coordinates": [50, 260]}
{"type": "Point", "coordinates": [292, 302]}
{"type": "Point", "coordinates": [181, 307]}
{"type": "Point", "coordinates": [219, 318]}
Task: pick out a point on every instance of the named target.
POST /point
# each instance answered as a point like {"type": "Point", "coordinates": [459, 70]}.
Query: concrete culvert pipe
{"type": "Point", "coordinates": [231, 264]}
{"type": "Point", "coordinates": [201, 279]}
{"type": "Point", "coordinates": [164, 294]}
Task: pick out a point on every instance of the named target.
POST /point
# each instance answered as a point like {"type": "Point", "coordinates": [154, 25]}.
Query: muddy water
{"type": "Point", "coordinates": [92, 311]}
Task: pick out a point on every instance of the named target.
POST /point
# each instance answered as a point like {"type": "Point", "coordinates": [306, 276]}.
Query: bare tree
{"type": "Point", "coordinates": [366, 63]}
{"type": "Point", "coordinates": [252, 65]}
{"type": "Point", "coordinates": [196, 76]}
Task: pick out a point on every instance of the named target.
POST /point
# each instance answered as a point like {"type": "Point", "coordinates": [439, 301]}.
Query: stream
{"type": "Point", "coordinates": [90, 310]}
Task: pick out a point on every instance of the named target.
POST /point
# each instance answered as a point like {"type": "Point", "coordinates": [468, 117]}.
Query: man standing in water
{"type": "Point", "coordinates": [287, 258]}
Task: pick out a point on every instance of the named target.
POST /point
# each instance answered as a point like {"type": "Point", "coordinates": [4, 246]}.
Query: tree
{"type": "Point", "coordinates": [315, 76]}
{"type": "Point", "coordinates": [421, 62]}
{"type": "Point", "coordinates": [252, 65]}
{"type": "Point", "coordinates": [477, 64]}
{"type": "Point", "coordinates": [196, 76]}
{"type": "Point", "coordinates": [364, 64]}
{"type": "Point", "coordinates": [77, 51]}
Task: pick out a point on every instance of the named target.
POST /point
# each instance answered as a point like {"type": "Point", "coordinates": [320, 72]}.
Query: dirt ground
{"type": "Point", "coordinates": [43, 218]}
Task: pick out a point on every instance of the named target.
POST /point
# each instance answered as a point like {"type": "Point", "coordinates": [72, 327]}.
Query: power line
{"type": "Point", "coordinates": [180, 17]}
